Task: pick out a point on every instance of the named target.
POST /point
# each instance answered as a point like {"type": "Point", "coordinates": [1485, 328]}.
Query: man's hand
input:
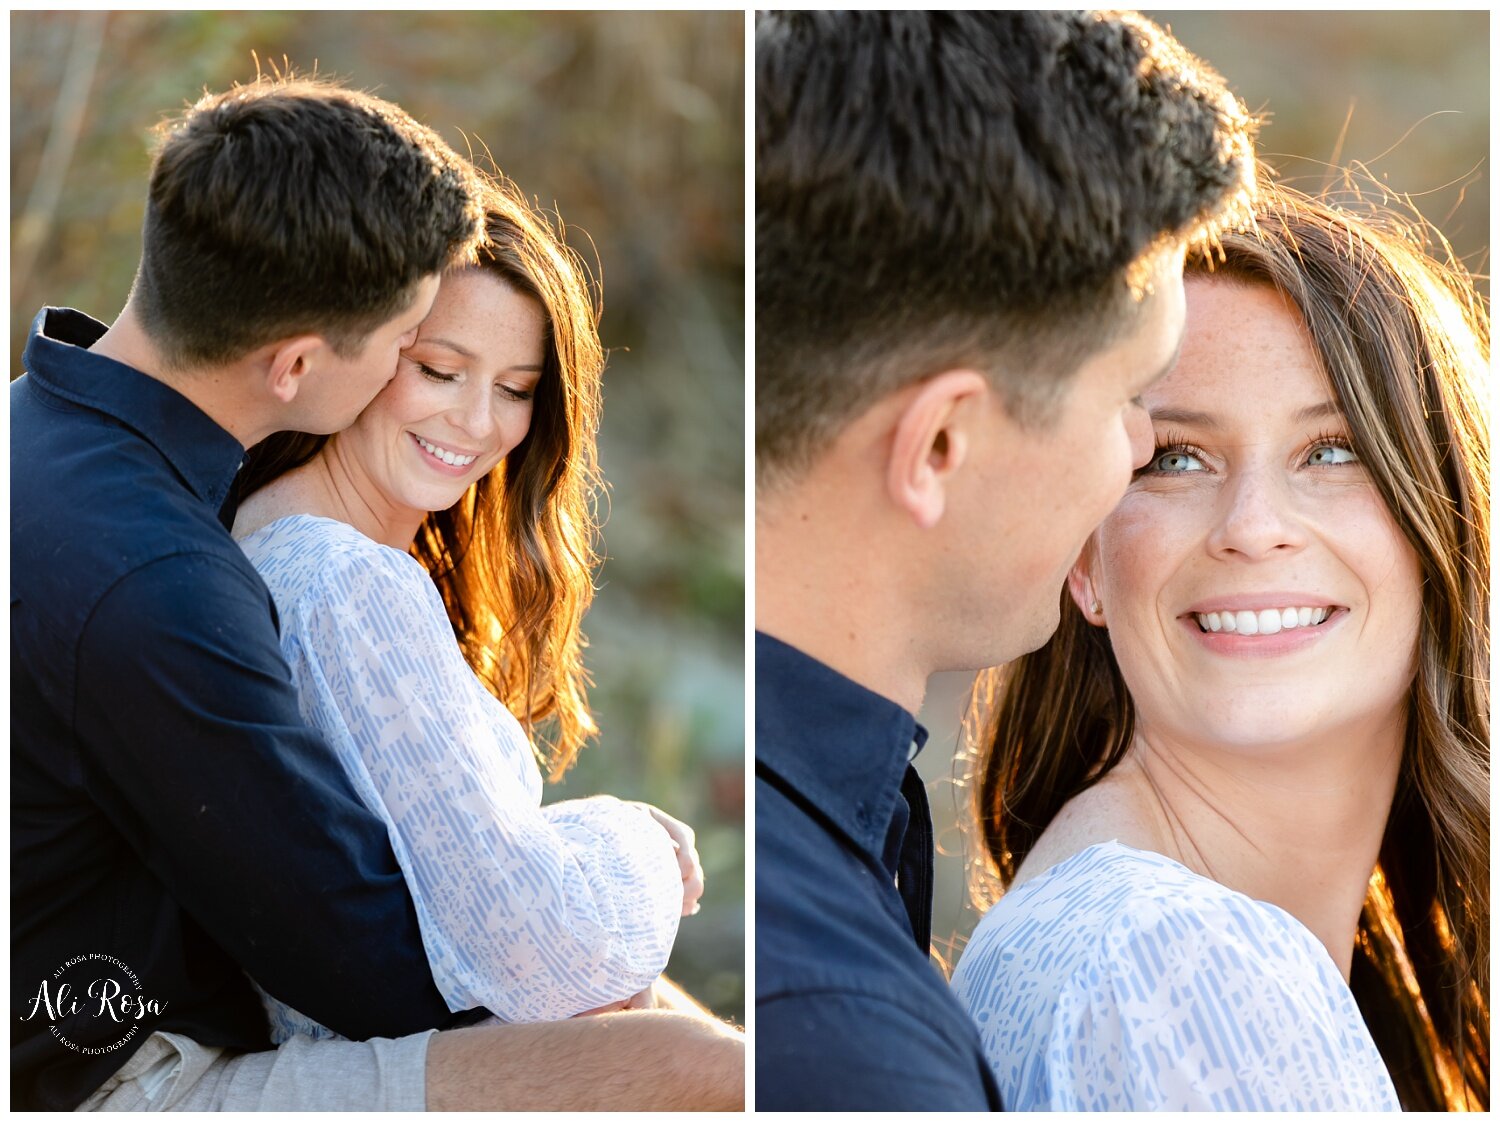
{"type": "Point", "coordinates": [687, 857]}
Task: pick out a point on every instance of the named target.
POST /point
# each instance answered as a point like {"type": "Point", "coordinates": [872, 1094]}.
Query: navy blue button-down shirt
{"type": "Point", "coordinates": [169, 808]}
{"type": "Point", "coordinates": [851, 1014]}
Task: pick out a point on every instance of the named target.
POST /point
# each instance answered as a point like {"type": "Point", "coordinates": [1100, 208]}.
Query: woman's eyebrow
{"type": "Point", "coordinates": [1211, 421]}
{"type": "Point", "coordinates": [1319, 411]}
{"type": "Point", "coordinates": [1186, 417]}
{"type": "Point", "coordinates": [449, 344]}
{"type": "Point", "coordinates": [452, 346]}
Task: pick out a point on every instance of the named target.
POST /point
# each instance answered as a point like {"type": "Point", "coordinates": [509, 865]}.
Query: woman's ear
{"type": "Point", "coordinates": [1081, 583]}
{"type": "Point", "coordinates": [932, 441]}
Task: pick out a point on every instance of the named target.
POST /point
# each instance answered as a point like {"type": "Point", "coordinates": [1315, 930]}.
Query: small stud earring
{"type": "Point", "coordinates": [1095, 608]}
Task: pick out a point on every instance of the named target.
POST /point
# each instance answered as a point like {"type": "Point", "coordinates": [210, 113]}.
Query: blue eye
{"type": "Point", "coordinates": [1175, 461]}
{"type": "Point", "coordinates": [1328, 454]}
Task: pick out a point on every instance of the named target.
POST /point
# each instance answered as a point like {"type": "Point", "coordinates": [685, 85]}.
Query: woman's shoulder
{"type": "Point", "coordinates": [1158, 968]}
{"type": "Point", "coordinates": [1115, 904]}
{"type": "Point", "coordinates": [1138, 928]}
{"type": "Point", "coordinates": [306, 555]}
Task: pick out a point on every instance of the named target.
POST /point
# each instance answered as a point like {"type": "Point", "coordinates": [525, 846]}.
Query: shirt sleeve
{"type": "Point", "coordinates": [536, 914]}
{"type": "Point", "coordinates": [841, 1051]}
{"type": "Point", "coordinates": [197, 754]}
{"type": "Point", "coordinates": [1214, 1005]}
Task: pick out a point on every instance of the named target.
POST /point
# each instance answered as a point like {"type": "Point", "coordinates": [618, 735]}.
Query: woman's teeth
{"type": "Point", "coordinates": [1267, 621]}
{"type": "Point", "coordinates": [447, 457]}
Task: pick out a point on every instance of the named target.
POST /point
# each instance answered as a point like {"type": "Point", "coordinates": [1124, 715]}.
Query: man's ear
{"type": "Point", "coordinates": [287, 361]}
{"type": "Point", "coordinates": [1081, 583]}
{"type": "Point", "coordinates": [931, 442]}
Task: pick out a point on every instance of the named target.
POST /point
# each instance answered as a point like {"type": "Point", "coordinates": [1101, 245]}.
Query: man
{"type": "Point", "coordinates": [969, 236]}
{"type": "Point", "coordinates": [177, 831]}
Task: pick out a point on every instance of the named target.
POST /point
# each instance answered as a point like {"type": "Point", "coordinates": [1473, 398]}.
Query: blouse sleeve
{"type": "Point", "coordinates": [1213, 1005]}
{"type": "Point", "coordinates": [533, 914]}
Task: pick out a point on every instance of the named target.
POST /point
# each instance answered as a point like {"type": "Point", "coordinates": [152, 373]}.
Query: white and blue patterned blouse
{"type": "Point", "coordinates": [535, 913]}
{"type": "Point", "coordinates": [1121, 980]}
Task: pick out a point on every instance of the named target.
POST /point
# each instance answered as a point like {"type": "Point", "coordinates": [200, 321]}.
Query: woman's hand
{"type": "Point", "coordinates": [646, 999]}
{"type": "Point", "coordinates": [687, 856]}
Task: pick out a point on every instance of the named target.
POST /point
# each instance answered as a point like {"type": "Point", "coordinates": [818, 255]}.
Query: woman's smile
{"type": "Point", "coordinates": [1262, 624]}
{"type": "Point", "coordinates": [1267, 633]}
{"type": "Point", "coordinates": [447, 460]}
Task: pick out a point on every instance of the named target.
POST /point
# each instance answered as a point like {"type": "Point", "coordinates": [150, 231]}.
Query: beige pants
{"type": "Point", "coordinates": [171, 1072]}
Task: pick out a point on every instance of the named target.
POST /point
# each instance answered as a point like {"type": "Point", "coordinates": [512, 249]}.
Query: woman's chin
{"type": "Point", "coordinates": [1253, 722]}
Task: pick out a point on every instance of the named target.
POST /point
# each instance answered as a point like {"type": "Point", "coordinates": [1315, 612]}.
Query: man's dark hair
{"type": "Point", "coordinates": [293, 205]}
{"type": "Point", "coordinates": [978, 189]}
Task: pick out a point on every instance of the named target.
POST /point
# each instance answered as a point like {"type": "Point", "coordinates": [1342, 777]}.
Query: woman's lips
{"type": "Point", "coordinates": [1264, 644]}
{"type": "Point", "coordinates": [1263, 621]}
{"type": "Point", "coordinates": [457, 471]}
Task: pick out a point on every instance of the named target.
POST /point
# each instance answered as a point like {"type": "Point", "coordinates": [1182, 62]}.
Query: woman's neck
{"type": "Point", "coordinates": [1298, 826]}
{"type": "Point", "coordinates": [330, 485]}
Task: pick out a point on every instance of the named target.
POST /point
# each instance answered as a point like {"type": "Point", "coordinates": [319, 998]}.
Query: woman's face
{"type": "Point", "coordinates": [460, 400]}
{"type": "Point", "coordinates": [1256, 589]}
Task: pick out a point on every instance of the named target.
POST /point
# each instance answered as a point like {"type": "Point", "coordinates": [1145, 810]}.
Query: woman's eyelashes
{"type": "Point", "coordinates": [1175, 455]}
{"type": "Point", "coordinates": [1331, 450]}
{"type": "Point", "coordinates": [514, 393]}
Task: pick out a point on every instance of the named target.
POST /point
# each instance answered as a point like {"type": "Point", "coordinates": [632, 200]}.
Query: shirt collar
{"type": "Point", "coordinates": [842, 747]}
{"type": "Point", "coordinates": [58, 359]}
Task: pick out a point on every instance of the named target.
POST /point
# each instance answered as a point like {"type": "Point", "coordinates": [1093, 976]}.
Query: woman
{"type": "Point", "coordinates": [1240, 801]}
{"type": "Point", "coordinates": [458, 505]}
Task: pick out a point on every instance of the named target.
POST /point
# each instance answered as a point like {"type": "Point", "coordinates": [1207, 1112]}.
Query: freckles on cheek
{"type": "Point", "coordinates": [1128, 542]}
{"type": "Point", "coordinates": [1370, 543]}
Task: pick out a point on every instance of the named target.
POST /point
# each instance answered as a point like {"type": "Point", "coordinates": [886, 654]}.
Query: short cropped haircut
{"type": "Point", "coordinates": [293, 205]}
{"type": "Point", "coordinates": [980, 189]}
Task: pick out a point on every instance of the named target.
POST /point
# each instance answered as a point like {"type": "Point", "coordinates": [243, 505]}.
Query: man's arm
{"type": "Point", "coordinates": [834, 1050]}
{"type": "Point", "coordinates": [195, 749]}
{"type": "Point", "coordinates": [638, 1061]}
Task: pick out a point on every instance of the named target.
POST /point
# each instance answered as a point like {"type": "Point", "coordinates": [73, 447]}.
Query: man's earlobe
{"type": "Point", "coordinates": [931, 442]}
{"type": "Point", "coordinates": [287, 362]}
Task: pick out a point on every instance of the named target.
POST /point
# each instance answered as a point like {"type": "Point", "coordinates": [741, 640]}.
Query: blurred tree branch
{"type": "Point", "coordinates": [36, 219]}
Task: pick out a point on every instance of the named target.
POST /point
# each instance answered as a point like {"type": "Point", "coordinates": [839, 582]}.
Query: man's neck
{"type": "Point", "coordinates": [842, 614]}
{"type": "Point", "coordinates": [221, 396]}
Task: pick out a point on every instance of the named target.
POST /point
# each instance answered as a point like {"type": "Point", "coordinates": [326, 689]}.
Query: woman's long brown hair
{"type": "Point", "coordinates": [1405, 341]}
{"type": "Point", "coordinates": [514, 558]}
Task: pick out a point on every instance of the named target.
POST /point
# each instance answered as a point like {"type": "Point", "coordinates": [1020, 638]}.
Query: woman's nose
{"type": "Point", "coordinates": [475, 414]}
{"type": "Point", "coordinates": [1256, 517]}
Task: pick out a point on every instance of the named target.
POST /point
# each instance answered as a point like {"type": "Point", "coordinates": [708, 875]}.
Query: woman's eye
{"type": "Point", "coordinates": [1332, 454]}
{"type": "Point", "coordinates": [435, 375]}
{"type": "Point", "coordinates": [513, 393]}
{"type": "Point", "coordinates": [1175, 461]}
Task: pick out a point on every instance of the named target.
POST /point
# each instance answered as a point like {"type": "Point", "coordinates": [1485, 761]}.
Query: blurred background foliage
{"type": "Point", "coordinates": [1402, 98]}
{"type": "Point", "coordinates": [630, 126]}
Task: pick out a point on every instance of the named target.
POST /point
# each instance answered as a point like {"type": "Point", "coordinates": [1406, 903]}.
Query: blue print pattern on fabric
{"type": "Point", "coordinates": [535, 913]}
{"type": "Point", "coordinates": [1121, 980]}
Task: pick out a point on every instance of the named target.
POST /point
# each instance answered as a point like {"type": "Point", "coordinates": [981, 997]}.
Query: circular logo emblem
{"type": "Point", "coordinates": [93, 1004]}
